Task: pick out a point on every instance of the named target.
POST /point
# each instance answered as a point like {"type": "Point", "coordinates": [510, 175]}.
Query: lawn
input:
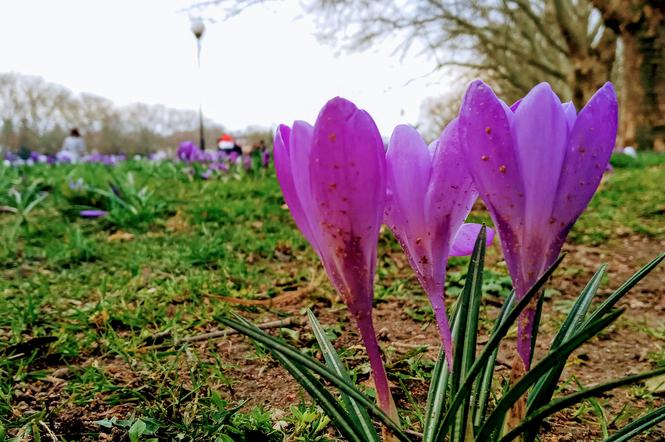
{"type": "Point", "coordinates": [103, 321]}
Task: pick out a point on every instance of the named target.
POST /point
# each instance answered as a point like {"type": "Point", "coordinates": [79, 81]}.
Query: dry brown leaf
{"type": "Point", "coordinates": [177, 223]}
{"type": "Point", "coordinates": [120, 236]}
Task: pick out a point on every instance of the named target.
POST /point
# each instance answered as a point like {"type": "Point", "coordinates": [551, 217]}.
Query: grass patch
{"type": "Point", "coordinates": [79, 297]}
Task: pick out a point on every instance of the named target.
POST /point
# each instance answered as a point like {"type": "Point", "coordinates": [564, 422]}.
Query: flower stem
{"type": "Point", "coordinates": [385, 399]}
{"type": "Point", "coordinates": [525, 331]}
{"type": "Point", "coordinates": [439, 307]}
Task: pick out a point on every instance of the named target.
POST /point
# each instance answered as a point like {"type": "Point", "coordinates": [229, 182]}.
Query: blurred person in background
{"type": "Point", "coordinates": [226, 143]}
{"type": "Point", "coordinates": [73, 147]}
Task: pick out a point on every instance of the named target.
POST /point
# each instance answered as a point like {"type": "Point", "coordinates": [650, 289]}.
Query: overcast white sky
{"type": "Point", "coordinates": [262, 67]}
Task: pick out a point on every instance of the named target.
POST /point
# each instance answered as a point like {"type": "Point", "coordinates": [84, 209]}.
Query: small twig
{"type": "Point", "coordinates": [410, 345]}
{"type": "Point", "coordinates": [414, 433]}
{"type": "Point", "coordinates": [51, 434]}
{"type": "Point", "coordinates": [226, 332]}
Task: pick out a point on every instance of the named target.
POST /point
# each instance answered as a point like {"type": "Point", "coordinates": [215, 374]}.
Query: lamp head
{"type": "Point", "coordinates": [198, 27]}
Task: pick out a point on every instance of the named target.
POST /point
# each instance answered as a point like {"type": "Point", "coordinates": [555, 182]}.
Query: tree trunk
{"type": "Point", "coordinates": [591, 61]}
{"type": "Point", "coordinates": [590, 71]}
{"type": "Point", "coordinates": [643, 122]}
{"type": "Point", "coordinates": [641, 25]}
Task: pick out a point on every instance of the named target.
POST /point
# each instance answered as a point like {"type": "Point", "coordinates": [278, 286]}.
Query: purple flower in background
{"type": "Point", "coordinates": [247, 162]}
{"type": "Point", "coordinates": [221, 156]}
{"type": "Point", "coordinates": [63, 158]}
{"type": "Point", "coordinates": [219, 167]}
{"type": "Point", "coordinates": [333, 179]}
{"type": "Point", "coordinates": [430, 193]}
{"type": "Point", "coordinates": [93, 213]}
{"type": "Point", "coordinates": [233, 157]}
{"type": "Point", "coordinates": [105, 159]}
{"type": "Point", "coordinates": [536, 166]}
{"type": "Point", "coordinates": [265, 158]}
{"type": "Point", "coordinates": [11, 157]}
{"type": "Point", "coordinates": [160, 155]}
{"type": "Point", "coordinates": [206, 174]}
{"type": "Point", "coordinates": [186, 151]}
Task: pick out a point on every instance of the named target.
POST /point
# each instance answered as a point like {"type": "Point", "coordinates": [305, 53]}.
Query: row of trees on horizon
{"type": "Point", "coordinates": [37, 115]}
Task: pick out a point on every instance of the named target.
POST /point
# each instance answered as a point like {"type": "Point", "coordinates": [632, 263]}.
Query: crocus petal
{"type": "Point", "coordinates": [348, 183]}
{"type": "Point", "coordinates": [540, 133]}
{"type": "Point", "coordinates": [485, 131]}
{"type": "Point", "coordinates": [450, 196]}
{"type": "Point", "coordinates": [587, 155]}
{"type": "Point", "coordinates": [408, 169]}
{"type": "Point", "coordinates": [465, 239]}
{"type": "Point", "coordinates": [93, 213]}
{"type": "Point", "coordinates": [286, 182]}
{"type": "Point", "coordinates": [433, 146]}
{"type": "Point", "coordinates": [571, 114]}
{"type": "Point", "coordinates": [490, 158]}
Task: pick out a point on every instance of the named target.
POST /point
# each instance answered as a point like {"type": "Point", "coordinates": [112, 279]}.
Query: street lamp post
{"type": "Point", "coordinates": [198, 28]}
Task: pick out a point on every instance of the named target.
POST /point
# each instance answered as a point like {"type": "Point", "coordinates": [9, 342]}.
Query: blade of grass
{"type": "Point", "coordinates": [521, 386]}
{"type": "Point", "coordinates": [559, 404]}
{"type": "Point", "coordinates": [490, 347]}
{"type": "Point", "coordinates": [484, 385]}
{"type": "Point", "coordinates": [639, 426]}
{"type": "Point", "coordinates": [600, 412]}
{"type": "Point", "coordinates": [324, 399]}
{"type": "Point", "coordinates": [580, 308]}
{"type": "Point", "coordinates": [436, 397]}
{"type": "Point", "coordinates": [466, 344]}
{"type": "Point", "coordinates": [536, 325]}
{"type": "Point", "coordinates": [438, 389]}
{"type": "Point", "coordinates": [294, 355]}
{"type": "Point", "coordinates": [544, 389]}
{"type": "Point", "coordinates": [342, 420]}
{"type": "Point", "coordinates": [625, 287]}
{"type": "Point", "coordinates": [357, 413]}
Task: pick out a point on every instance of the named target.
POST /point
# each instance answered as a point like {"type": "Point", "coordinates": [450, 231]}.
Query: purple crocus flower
{"type": "Point", "coordinates": [11, 157]}
{"type": "Point", "coordinates": [93, 213]}
{"type": "Point", "coordinates": [206, 174]}
{"type": "Point", "coordinates": [265, 158]}
{"type": "Point", "coordinates": [186, 151]}
{"type": "Point", "coordinates": [536, 166]}
{"type": "Point", "coordinates": [63, 158]}
{"type": "Point", "coordinates": [430, 193]}
{"type": "Point", "coordinates": [247, 162]}
{"type": "Point", "coordinates": [333, 177]}
{"type": "Point", "coordinates": [219, 167]}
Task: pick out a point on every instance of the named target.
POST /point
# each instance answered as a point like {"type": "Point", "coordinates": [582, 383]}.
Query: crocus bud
{"type": "Point", "coordinates": [430, 193]}
{"type": "Point", "coordinates": [333, 179]}
{"type": "Point", "coordinates": [536, 166]}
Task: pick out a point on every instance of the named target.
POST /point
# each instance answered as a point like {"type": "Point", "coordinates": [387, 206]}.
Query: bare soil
{"type": "Point", "coordinates": [625, 349]}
